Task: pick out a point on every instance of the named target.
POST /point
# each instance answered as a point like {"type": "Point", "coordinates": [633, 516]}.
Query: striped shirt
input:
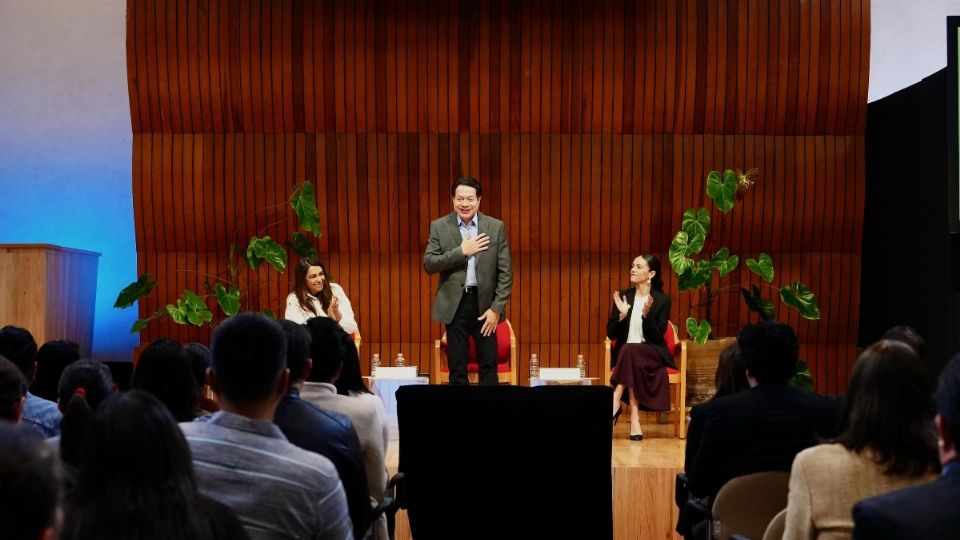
{"type": "Point", "coordinates": [278, 490]}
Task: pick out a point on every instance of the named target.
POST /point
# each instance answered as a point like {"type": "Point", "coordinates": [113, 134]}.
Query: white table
{"type": "Point", "coordinates": [387, 390]}
{"type": "Point", "coordinates": [586, 381]}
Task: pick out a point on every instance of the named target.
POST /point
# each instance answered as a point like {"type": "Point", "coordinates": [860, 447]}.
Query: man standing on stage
{"type": "Point", "coordinates": [470, 251]}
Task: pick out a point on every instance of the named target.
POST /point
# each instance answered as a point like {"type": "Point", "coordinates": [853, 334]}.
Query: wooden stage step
{"type": "Point", "coordinates": [643, 479]}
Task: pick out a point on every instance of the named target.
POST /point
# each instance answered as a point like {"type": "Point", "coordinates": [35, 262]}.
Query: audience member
{"type": "Point", "coordinates": [30, 490]}
{"type": "Point", "coordinates": [199, 355]}
{"type": "Point", "coordinates": [761, 428]}
{"type": "Point", "coordinates": [18, 346]}
{"type": "Point", "coordinates": [331, 348]}
{"type": "Point", "coordinates": [730, 378]}
{"type": "Point", "coordinates": [52, 358]}
{"type": "Point", "coordinates": [327, 433]}
{"type": "Point", "coordinates": [137, 481]}
{"type": "Point", "coordinates": [241, 457]}
{"type": "Point", "coordinates": [886, 442]}
{"type": "Point", "coordinates": [83, 386]}
{"type": "Point", "coordinates": [13, 391]}
{"type": "Point", "coordinates": [164, 370]}
{"type": "Point", "coordinates": [927, 511]}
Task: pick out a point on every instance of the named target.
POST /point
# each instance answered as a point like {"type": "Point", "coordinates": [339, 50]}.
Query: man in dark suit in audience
{"type": "Point", "coordinates": [762, 428]}
{"type": "Point", "coordinates": [325, 432]}
{"type": "Point", "coordinates": [928, 511]}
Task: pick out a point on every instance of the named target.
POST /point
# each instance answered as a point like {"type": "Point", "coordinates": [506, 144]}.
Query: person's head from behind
{"type": "Point", "coordinates": [769, 351]}
{"type": "Point", "coordinates": [84, 385]}
{"type": "Point", "coordinates": [298, 350]}
{"type": "Point", "coordinates": [465, 194]}
{"type": "Point", "coordinates": [13, 391]}
{"type": "Point", "coordinates": [947, 399]}
{"type": "Point", "coordinates": [326, 349]}
{"type": "Point", "coordinates": [249, 361]}
{"type": "Point", "coordinates": [350, 380]}
{"type": "Point", "coordinates": [164, 370]}
{"type": "Point", "coordinates": [731, 374]}
{"type": "Point", "coordinates": [30, 480]}
{"type": "Point", "coordinates": [52, 358]}
{"type": "Point", "coordinates": [909, 335]}
{"type": "Point", "coordinates": [18, 346]}
{"type": "Point", "coordinates": [200, 360]}
{"type": "Point", "coordinates": [888, 409]}
{"type": "Point", "coordinates": [137, 477]}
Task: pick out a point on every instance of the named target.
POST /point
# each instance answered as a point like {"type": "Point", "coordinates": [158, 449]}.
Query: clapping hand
{"type": "Point", "coordinates": [334, 310]}
{"type": "Point", "coordinates": [622, 305]}
{"type": "Point", "coordinates": [648, 305]}
{"type": "Point", "coordinates": [473, 245]}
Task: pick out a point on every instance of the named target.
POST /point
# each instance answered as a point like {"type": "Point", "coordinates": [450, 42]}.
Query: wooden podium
{"type": "Point", "coordinates": [50, 291]}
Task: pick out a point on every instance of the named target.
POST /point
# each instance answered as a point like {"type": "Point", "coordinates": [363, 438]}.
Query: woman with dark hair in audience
{"type": "Point", "coordinates": [315, 295]}
{"type": "Point", "coordinates": [136, 480]}
{"type": "Point", "coordinates": [200, 360]}
{"type": "Point", "coordinates": [164, 370]}
{"type": "Point", "coordinates": [731, 377]}
{"type": "Point", "coordinates": [887, 441]}
{"type": "Point", "coordinates": [52, 358]}
{"type": "Point", "coordinates": [637, 323]}
{"type": "Point", "coordinates": [83, 386]}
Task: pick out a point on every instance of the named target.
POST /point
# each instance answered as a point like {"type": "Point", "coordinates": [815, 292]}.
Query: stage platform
{"type": "Point", "coordinates": [643, 479]}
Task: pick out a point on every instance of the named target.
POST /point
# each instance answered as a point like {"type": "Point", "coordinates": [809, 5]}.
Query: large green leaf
{"type": "Point", "coordinates": [698, 332]}
{"type": "Point", "coordinates": [757, 303]}
{"type": "Point", "coordinates": [679, 249]}
{"type": "Point", "coordinates": [305, 206]}
{"type": "Point", "coordinates": [762, 267]}
{"type": "Point", "coordinates": [724, 262]}
{"type": "Point", "coordinates": [695, 223]}
{"type": "Point", "coordinates": [140, 324]}
{"type": "Point", "coordinates": [229, 300]}
{"type": "Point", "coordinates": [722, 189]}
{"type": "Point", "coordinates": [191, 309]}
{"type": "Point", "coordinates": [802, 377]}
{"type": "Point", "coordinates": [301, 245]}
{"type": "Point", "coordinates": [694, 277]}
{"type": "Point", "coordinates": [265, 249]}
{"type": "Point", "coordinates": [134, 291]}
{"type": "Point", "coordinates": [800, 297]}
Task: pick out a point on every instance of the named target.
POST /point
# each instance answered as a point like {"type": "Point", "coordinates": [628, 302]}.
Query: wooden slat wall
{"type": "Point", "coordinates": [591, 125]}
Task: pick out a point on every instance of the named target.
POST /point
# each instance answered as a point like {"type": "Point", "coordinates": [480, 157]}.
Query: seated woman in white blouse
{"type": "Point", "coordinates": [316, 296]}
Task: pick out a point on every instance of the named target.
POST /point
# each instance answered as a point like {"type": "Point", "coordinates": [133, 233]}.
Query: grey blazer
{"type": "Point", "coordinates": [444, 256]}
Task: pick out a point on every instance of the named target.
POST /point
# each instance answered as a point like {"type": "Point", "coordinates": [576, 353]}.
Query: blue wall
{"type": "Point", "coordinates": [65, 144]}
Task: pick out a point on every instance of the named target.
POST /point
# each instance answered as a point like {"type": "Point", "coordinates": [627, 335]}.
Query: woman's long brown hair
{"type": "Point", "coordinates": [301, 290]}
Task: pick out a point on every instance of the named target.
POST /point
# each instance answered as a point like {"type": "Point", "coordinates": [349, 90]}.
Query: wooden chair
{"type": "Point", "coordinates": [747, 504]}
{"type": "Point", "coordinates": [676, 377]}
{"type": "Point", "coordinates": [776, 527]}
{"type": "Point", "coordinates": [506, 358]}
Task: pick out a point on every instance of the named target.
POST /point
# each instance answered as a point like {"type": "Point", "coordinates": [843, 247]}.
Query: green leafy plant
{"type": "Point", "coordinates": [191, 308]}
{"type": "Point", "coordinates": [703, 273]}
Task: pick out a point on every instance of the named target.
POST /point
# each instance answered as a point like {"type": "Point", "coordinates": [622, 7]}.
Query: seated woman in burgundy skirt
{"type": "Point", "coordinates": [640, 352]}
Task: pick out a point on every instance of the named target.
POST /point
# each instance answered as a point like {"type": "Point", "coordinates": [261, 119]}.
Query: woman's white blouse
{"type": "Point", "coordinates": [299, 315]}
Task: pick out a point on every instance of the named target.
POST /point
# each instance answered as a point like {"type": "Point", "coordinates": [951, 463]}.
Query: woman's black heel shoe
{"type": "Point", "coordinates": [636, 437]}
{"type": "Point", "coordinates": [616, 415]}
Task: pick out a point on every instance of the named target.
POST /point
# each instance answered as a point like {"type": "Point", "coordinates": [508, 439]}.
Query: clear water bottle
{"type": "Point", "coordinates": [582, 366]}
{"type": "Point", "coordinates": [534, 367]}
{"type": "Point", "coordinates": [374, 365]}
{"type": "Point", "coordinates": [400, 361]}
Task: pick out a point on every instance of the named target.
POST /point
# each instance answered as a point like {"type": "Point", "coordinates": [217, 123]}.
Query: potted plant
{"type": "Point", "coordinates": [192, 308]}
{"type": "Point", "coordinates": [701, 265]}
